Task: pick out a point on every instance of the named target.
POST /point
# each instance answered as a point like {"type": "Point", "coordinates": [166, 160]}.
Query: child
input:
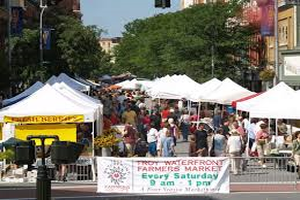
{"type": "Point", "coordinates": [193, 147]}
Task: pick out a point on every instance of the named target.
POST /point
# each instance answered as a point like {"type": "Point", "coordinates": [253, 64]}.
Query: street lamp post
{"type": "Point", "coordinates": [276, 56]}
{"type": "Point", "coordinates": [43, 182]}
{"type": "Point", "coordinates": [42, 7]}
{"type": "Point", "coordinates": [9, 45]}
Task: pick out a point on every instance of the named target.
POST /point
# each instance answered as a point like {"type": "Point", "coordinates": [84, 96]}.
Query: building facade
{"type": "Point", "coordinates": [288, 43]}
{"type": "Point", "coordinates": [108, 45]}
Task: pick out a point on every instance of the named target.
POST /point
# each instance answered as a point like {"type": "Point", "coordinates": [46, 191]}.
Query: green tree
{"type": "Point", "coordinates": [74, 50]}
{"type": "Point", "coordinates": [79, 47]}
{"type": "Point", "coordinates": [181, 43]}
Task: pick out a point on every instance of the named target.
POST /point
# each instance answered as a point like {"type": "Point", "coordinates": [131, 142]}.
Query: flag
{"type": "Point", "coordinates": [47, 38]}
{"type": "Point", "coordinates": [267, 18]}
{"type": "Point", "coordinates": [16, 21]}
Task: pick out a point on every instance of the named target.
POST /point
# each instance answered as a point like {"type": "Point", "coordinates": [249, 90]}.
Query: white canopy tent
{"type": "Point", "coordinates": [206, 88]}
{"type": "Point", "coordinates": [227, 92]}
{"type": "Point", "coordinates": [129, 85]}
{"type": "Point", "coordinates": [83, 99]}
{"type": "Point", "coordinates": [52, 80]}
{"type": "Point", "coordinates": [283, 105]}
{"type": "Point", "coordinates": [87, 82]}
{"type": "Point", "coordinates": [121, 84]}
{"type": "Point", "coordinates": [47, 102]}
{"type": "Point", "coordinates": [272, 94]}
{"type": "Point", "coordinates": [173, 87]}
{"type": "Point", "coordinates": [70, 82]}
{"type": "Point", "coordinates": [38, 85]}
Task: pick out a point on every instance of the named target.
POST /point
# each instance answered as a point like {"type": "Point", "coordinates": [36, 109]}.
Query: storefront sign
{"type": "Point", "coordinates": [194, 175]}
{"type": "Point", "coordinates": [45, 119]}
{"type": "Point", "coordinates": [292, 66]}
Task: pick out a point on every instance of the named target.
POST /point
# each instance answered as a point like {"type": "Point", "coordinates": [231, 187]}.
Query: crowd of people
{"type": "Point", "coordinates": [156, 131]}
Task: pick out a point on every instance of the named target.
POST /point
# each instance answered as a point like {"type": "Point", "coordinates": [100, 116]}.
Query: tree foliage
{"type": "Point", "coordinates": [74, 50]}
{"type": "Point", "coordinates": [181, 43]}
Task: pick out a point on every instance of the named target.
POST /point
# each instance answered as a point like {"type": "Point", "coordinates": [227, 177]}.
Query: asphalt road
{"type": "Point", "coordinates": [232, 196]}
{"type": "Point", "coordinates": [262, 178]}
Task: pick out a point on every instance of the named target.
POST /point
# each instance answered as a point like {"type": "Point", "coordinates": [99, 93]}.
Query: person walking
{"type": "Point", "coordinates": [262, 138]}
{"type": "Point", "coordinates": [152, 140]}
{"type": "Point", "coordinates": [168, 145]}
{"type": "Point", "coordinates": [185, 125]}
{"type": "Point", "coordinates": [234, 147]}
{"type": "Point", "coordinates": [296, 151]}
{"type": "Point", "coordinates": [130, 116]}
{"type": "Point", "coordinates": [219, 143]}
{"type": "Point", "coordinates": [130, 137]}
{"type": "Point", "coordinates": [201, 141]}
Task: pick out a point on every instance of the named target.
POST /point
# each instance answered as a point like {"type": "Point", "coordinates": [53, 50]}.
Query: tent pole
{"type": "Point", "coordinates": [93, 134]}
{"type": "Point", "coordinates": [269, 124]}
{"type": "Point", "coordinates": [93, 152]}
{"type": "Point", "coordinates": [198, 114]}
{"type": "Point", "coordinates": [189, 106]}
{"type": "Point", "coordinates": [248, 140]}
{"type": "Point", "coordinates": [276, 127]}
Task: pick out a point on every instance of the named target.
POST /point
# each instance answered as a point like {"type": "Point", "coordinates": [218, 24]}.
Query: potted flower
{"type": "Point", "coordinates": [107, 141]}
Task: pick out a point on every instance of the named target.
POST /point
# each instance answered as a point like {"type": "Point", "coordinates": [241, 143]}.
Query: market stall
{"type": "Point", "coordinates": [38, 85]}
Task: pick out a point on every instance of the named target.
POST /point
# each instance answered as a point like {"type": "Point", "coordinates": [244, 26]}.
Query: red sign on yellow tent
{"type": "Point", "coordinates": [45, 119]}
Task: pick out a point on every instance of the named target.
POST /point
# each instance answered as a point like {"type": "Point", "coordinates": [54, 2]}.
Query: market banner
{"type": "Point", "coordinates": [45, 119]}
{"type": "Point", "coordinates": [190, 175]}
{"type": "Point", "coordinates": [16, 21]}
{"type": "Point", "coordinates": [47, 38]}
{"type": "Point", "coordinates": [267, 17]}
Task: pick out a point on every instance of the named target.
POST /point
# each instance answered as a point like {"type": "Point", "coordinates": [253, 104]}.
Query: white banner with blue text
{"type": "Point", "coordinates": [176, 175]}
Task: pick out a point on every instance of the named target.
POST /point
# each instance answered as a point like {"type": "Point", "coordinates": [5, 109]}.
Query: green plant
{"type": "Point", "coordinates": [267, 74]}
{"type": "Point", "coordinates": [107, 139]}
{"type": "Point", "coordinates": [7, 155]}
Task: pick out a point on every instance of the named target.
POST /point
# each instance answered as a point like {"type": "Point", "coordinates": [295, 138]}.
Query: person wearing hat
{"type": "Point", "coordinates": [234, 147]}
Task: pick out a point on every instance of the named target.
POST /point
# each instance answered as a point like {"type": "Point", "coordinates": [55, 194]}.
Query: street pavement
{"type": "Point", "coordinates": [262, 180]}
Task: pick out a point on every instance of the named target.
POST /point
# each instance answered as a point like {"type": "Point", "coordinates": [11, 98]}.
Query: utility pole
{"type": "Point", "coordinates": [42, 7]}
{"type": "Point", "coordinates": [212, 61]}
{"type": "Point", "coordinates": [9, 45]}
{"type": "Point", "coordinates": [276, 56]}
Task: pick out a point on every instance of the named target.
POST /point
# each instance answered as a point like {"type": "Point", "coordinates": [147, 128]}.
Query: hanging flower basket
{"type": "Point", "coordinates": [267, 75]}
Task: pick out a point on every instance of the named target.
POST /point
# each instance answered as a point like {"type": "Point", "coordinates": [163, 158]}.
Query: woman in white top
{"type": "Point", "coordinates": [185, 125]}
{"type": "Point", "coordinates": [234, 148]}
{"type": "Point", "coordinates": [152, 140]}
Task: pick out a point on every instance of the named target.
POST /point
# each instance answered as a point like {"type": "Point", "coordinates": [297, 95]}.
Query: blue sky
{"type": "Point", "coordinates": [112, 15]}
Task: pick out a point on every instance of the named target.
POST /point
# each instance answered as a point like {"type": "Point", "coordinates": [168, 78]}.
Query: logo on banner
{"type": "Point", "coordinates": [117, 172]}
{"type": "Point", "coordinates": [16, 21]}
{"type": "Point", "coordinates": [47, 39]}
{"type": "Point", "coordinates": [267, 17]}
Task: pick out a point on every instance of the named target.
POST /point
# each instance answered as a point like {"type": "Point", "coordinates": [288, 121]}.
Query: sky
{"type": "Point", "coordinates": [112, 15]}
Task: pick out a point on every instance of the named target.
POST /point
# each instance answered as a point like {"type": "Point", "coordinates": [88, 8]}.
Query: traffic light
{"type": "Point", "coordinates": [64, 152]}
{"type": "Point", "coordinates": [162, 3]}
{"type": "Point", "coordinates": [25, 153]}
